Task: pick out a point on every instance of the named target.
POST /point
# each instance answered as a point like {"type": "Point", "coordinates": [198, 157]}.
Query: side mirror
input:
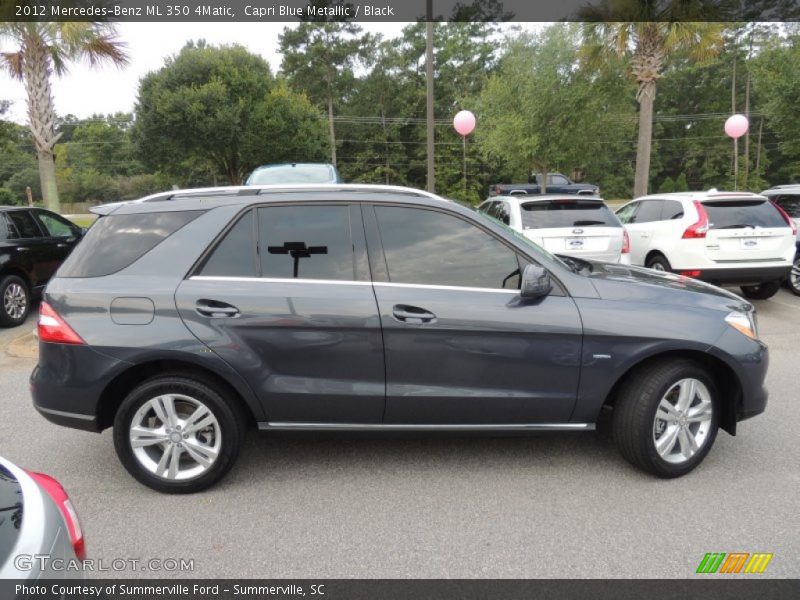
{"type": "Point", "coordinates": [536, 282]}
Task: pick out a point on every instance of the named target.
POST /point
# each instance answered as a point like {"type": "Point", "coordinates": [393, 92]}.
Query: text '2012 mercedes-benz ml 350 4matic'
{"type": "Point", "coordinates": [183, 319]}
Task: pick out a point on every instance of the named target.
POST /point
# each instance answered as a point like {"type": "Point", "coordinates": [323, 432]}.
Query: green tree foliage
{"type": "Point", "coordinates": [216, 112]}
{"type": "Point", "coordinates": [319, 58]}
{"type": "Point", "coordinates": [541, 113]}
{"type": "Point", "coordinates": [44, 48]}
{"type": "Point", "coordinates": [667, 186]}
{"type": "Point", "coordinates": [8, 198]}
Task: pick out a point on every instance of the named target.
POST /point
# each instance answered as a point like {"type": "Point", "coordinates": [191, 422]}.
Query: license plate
{"type": "Point", "coordinates": [749, 244]}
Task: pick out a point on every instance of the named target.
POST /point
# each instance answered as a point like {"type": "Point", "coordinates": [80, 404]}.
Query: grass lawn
{"type": "Point", "coordinates": [82, 220]}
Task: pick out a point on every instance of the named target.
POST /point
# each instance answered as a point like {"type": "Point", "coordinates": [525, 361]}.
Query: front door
{"type": "Point", "coordinates": [461, 346]}
{"type": "Point", "coordinates": [285, 299]}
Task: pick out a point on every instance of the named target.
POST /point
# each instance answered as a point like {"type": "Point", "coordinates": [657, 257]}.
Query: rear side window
{"type": "Point", "coordinates": [791, 204]}
{"type": "Point", "coordinates": [734, 214]}
{"type": "Point", "coordinates": [672, 209]}
{"type": "Point", "coordinates": [567, 213]}
{"type": "Point", "coordinates": [24, 224]}
{"type": "Point", "coordinates": [7, 231]}
{"type": "Point", "coordinates": [306, 242]}
{"type": "Point", "coordinates": [235, 256]}
{"type": "Point", "coordinates": [116, 242]}
{"type": "Point", "coordinates": [649, 211]}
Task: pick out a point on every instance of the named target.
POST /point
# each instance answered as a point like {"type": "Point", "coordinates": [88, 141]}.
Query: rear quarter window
{"type": "Point", "coordinates": [732, 214]}
{"type": "Point", "coordinates": [567, 213]}
{"type": "Point", "coordinates": [116, 242]}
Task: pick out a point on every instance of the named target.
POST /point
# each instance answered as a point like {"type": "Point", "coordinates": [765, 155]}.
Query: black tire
{"type": "Point", "coordinates": [9, 284]}
{"type": "Point", "coordinates": [225, 409]}
{"type": "Point", "coordinates": [762, 291]}
{"type": "Point", "coordinates": [659, 262]}
{"type": "Point", "coordinates": [635, 414]}
{"type": "Point", "coordinates": [793, 281]}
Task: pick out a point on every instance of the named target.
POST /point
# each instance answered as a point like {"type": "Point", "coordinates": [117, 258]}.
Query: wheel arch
{"type": "Point", "coordinates": [651, 254]}
{"type": "Point", "coordinates": [728, 384]}
{"type": "Point", "coordinates": [118, 388]}
{"type": "Point", "coordinates": [13, 269]}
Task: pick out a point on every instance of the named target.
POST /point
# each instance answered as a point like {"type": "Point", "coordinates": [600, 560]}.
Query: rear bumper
{"type": "Point", "coordinates": [745, 275]}
{"type": "Point", "coordinates": [68, 382]}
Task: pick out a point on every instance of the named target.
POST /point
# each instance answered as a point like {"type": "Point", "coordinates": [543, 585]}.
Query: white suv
{"type": "Point", "coordinates": [580, 226]}
{"type": "Point", "coordinates": [720, 237]}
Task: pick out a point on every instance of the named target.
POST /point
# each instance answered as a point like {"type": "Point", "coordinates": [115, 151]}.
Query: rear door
{"type": "Point", "coordinates": [577, 227]}
{"type": "Point", "coordinates": [746, 230]}
{"type": "Point", "coordinates": [791, 204]}
{"type": "Point", "coordinates": [285, 298]}
{"type": "Point", "coordinates": [31, 246]}
{"type": "Point", "coordinates": [461, 346]}
{"type": "Point", "coordinates": [60, 235]}
{"type": "Point", "coordinates": [638, 218]}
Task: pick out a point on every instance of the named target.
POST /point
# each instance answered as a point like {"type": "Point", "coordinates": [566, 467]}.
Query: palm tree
{"type": "Point", "coordinates": [641, 31]}
{"type": "Point", "coordinates": [44, 49]}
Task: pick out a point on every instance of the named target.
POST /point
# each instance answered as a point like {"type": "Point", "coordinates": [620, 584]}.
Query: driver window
{"type": "Point", "coordinates": [432, 248]}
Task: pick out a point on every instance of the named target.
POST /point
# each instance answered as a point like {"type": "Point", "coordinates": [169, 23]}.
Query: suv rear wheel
{"type": "Point", "coordinates": [177, 433]}
{"type": "Point", "coordinates": [762, 291]}
{"type": "Point", "coordinates": [659, 262]}
{"type": "Point", "coordinates": [794, 278]}
{"type": "Point", "coordinates": [15, 301]}
{"type": "Point", "coordinates": [666, 417]}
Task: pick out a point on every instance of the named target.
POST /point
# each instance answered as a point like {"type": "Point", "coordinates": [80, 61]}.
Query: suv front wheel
{"type": "Point", "coordinates": [177, 433]}
{"type": "Point", "coordinates": [666, 417]}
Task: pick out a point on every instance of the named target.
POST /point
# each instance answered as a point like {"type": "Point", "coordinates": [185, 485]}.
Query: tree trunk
{"type": "Point", "coordinates": [646, 97]}
{"type": "Point", "coordinates": [41, 115]}
{"type": "Point", "coordinates": [47, 177]}
{"type": "Point", "coordinates": [332, 130]}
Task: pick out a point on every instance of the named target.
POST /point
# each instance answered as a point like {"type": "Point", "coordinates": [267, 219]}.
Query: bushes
{"type": "Point", "coordinates": [9, 198]}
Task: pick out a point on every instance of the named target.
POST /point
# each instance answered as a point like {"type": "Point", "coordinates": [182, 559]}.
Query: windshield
{"type": "Point", "coordinates": [567, 213]}
{"type": "Point", "coordinates": [280, 174]}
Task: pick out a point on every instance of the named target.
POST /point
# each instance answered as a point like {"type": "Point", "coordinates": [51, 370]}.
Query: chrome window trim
{"type": "Point", "coordinates": [350, 282]}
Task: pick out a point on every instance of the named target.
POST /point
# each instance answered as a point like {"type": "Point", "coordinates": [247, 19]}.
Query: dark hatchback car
{"type": "Point", "coordinates": [33, 244]}
{"type": "Point", "coordinates": [371, 308]}
{"type": "Point", "coordinates": [788, 198]}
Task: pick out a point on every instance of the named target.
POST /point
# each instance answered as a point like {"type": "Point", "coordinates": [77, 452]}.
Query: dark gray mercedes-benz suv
{"type": "Point", "coordinates": [181, 320]}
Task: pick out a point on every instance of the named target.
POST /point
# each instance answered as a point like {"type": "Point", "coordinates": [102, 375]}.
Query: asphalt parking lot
{"type": "Point", "coordinates": [557, 505]}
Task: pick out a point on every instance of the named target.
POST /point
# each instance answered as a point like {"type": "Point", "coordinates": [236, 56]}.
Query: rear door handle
{"type": "Point", "coordinates": [412, 314]}
{"type": "Point", "coordinates": [22, 249]}
{"type": "Point", "coordinates": [213, 308]}
{"type": "Point", "coordinates": [61, 245]}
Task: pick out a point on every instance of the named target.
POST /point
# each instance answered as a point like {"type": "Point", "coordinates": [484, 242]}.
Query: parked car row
{"type": "Point", "coordinates": [374, 308]}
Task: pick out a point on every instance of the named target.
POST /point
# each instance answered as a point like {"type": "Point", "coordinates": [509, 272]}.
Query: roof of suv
{"type": "Point", "coordinates": [703, 195]}
{"type": "Point", "coordinates": [523, 198]}
{"type": "Point", "coordinates": [197, 198]}
{"type": "Point", "coordinates": [789, 188]}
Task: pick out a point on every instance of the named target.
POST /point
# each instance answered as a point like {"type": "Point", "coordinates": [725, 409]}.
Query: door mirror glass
{"type": "Point", "coordinates": [536, 282]}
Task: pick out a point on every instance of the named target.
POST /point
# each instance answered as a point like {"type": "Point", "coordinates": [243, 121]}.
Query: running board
{"type": "Point", "coordinates": [500, 427]}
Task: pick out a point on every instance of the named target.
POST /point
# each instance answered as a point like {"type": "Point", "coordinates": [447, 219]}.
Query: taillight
{"type": "Point", "coordinates": [626, 242]}
{"type": "Point", "coordinates": [59, 496]}
{"type": "Point", "coordinates": [694, 273]}
{"type": "Point", "coordinates": [699, 228]}
{"type": "Point", "coordinates": [786, 217]}
{"type": "Point", "coordinates": [52, 328]}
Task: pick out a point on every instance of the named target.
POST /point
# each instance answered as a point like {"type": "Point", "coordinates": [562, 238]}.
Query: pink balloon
{"type": "Point", "coordinates": [736, 126]}
{"type": "Point", "coordinates": [464, 122]}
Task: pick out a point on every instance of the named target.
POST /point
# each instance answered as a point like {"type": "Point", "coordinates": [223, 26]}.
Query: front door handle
{"type": "Point", "coordinates": [22, 249]}
{"type": "Point", "coordinates": [412, 314]}
{"type": "Point", "coordinates": [214, 308]}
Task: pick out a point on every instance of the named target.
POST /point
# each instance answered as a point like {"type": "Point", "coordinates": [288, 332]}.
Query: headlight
{"type": "Point", "coordinates": [744, 323]}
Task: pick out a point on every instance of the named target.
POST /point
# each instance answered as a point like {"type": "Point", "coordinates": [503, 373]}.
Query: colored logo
{"type": "Point", "coordinates": [734, 562]}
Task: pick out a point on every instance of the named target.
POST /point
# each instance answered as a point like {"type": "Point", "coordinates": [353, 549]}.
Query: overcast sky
{"type": "Point", "coordinates": [107, 89]}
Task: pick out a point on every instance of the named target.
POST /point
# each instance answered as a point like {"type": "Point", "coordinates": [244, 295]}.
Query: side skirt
{"type": "Point", "coordinates": [500, 427]}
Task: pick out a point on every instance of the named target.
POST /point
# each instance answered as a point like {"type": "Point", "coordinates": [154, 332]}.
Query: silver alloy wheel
{"type": "Point", "coordinates": [794, 276]}
{"type": "Point", "coordinates": [15, 301]}
{"type": "Point", "coordinates": [175, 437]}
{"type": "Point", "coordinates": [683, 420]}
{"type": "Point", "coordinates": [658, 267]}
